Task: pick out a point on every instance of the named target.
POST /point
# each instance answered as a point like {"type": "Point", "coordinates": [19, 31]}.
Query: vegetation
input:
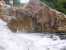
{"type": "Point", "coordinates": [57, 4]}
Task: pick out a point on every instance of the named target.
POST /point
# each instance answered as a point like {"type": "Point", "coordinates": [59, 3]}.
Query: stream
{"type": "Point", "coordinates": [29, 41]}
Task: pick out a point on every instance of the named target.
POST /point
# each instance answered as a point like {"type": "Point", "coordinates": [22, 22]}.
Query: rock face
{"type": "Point", "coordinates": [36, 16]}
{"type": "Point", "coordinates": [50, 20]}
{"type": "Point", "coordinates": [22, 23]}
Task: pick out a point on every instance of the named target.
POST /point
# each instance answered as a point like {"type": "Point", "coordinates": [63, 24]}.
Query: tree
{"type": "Point", "coordinates": [56, 4]}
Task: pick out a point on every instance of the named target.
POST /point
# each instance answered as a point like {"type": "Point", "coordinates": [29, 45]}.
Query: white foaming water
{"type": "Point", "coordinates": [26, 41]}
{"type": "Point", "coordinates": [24, 1]}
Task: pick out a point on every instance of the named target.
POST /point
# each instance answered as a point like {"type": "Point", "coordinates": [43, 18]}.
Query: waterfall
{"type": "Point", "coordinates": [29, 41]}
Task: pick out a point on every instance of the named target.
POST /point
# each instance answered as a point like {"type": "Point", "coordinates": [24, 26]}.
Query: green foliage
{"type": "Point", "coordinates": [50, 3]}
{"type": "Point", "coordinates": [57, 4]}
{"type": "Point", "coordinates": [16, 2]}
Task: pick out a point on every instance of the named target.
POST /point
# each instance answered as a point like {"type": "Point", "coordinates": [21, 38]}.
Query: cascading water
{"type": "Point", "coordinates": [26, 41]}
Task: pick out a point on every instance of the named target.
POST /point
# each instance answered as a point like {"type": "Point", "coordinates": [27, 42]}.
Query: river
{"type": "Point", "coordinates": [29, 41]}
